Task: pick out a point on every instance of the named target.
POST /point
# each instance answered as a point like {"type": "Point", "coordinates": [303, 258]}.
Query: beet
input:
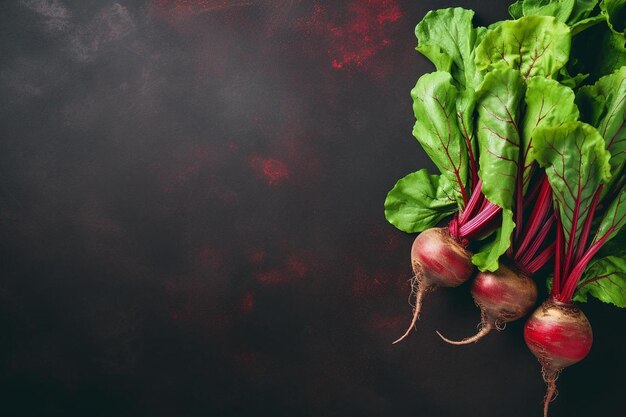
{"type": "Point", "coordinates": [559, 335]}
{"type": "Point", "coordinates": [502, 296]}
{"type": "Point", "coordinates": [438, 260]}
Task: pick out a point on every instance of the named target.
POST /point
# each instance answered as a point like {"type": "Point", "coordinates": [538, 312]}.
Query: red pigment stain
{"type": "Point", "coordinates": [187, 167]}
{"type": "Point", "coordinates": [296, 266]}
{"type": "Point", "coordinates": [256, 255]}
{"type": "Point", "coordinates": [247, 302]}
{"type": "Point", "coordinates": [364, 285]}
{"type": "Point", "coordinates": [274, 277]}
{"type": "Point", "coordinates": [388, 241]}
{"type": "Point", "coordinates": [190, 166]}
{"type": "Point", "coordinates": [274, 171]}
{"type": "Point", "coordinates": [173, 11]}
{"type": "Point", "coordinates": [210, 258]}
{"type": "Point", "coordinates": [356, 36]}
{"type": "Point", "coordinates": [289, 143]}
{"type": "Point", "coordinates": [392, 243]}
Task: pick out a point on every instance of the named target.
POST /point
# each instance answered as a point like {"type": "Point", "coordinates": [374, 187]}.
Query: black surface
{"type": "Point", "coordinates": [191, 221]}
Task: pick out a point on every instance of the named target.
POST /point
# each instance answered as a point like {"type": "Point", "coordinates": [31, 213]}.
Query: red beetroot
{"type": "Point", "coordinates": [559, 335]}
{"type": "Point", "coordinates": [438, 260]}
{"type": "Point", "coordinates": [509, 293]}
{"type": "Point", "coordinates": [502, 296]}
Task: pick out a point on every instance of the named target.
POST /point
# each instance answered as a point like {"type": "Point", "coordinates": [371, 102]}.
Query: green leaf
{"type": "Point", "coordinates": [615, 11]}
{"type": "Point", "coordinates": [582, 10]}
{"type": "Point", "coordinates": [604, 106]}
{"type": "Point", "coordinates": [549, 282]}
{"type": "Point", "coordinates": [560, 9]}
{"type": "Point", "coordinates": [419, 201]}
{"type": "Point", "coordinates": [436, 128]}
{"type": "Point", "coordinates": [613, 219]}
{"type": "Point", "coordinates": [597, 51]}
{"type": "Point", "coordinates": [486, 259]}
{"type": "Point", "coordinates": [572, 82]}
{"type": "Point", "coordinates": [516, 10]}
{"type": "Point", "coordinates": [567, 11]}
{"type": "Point", "coordinates": [498, 101]}
{"type": "Point", "coordinates": [576, 162]}
{"type": "Point", "coordinates": [584, 24]}
{"type": "Point", "coordinates": [447, 38]}
{"type": "Point", "coordinates": [615, 246]}
{"type": "Point", "coordinates": [548, 103]}
{"type": "Point", "coordinates": [465, 107]}
{"type": "Point", "coordinates": [534, 45]}
{"type": "Point", "coordinates": [604, 279]}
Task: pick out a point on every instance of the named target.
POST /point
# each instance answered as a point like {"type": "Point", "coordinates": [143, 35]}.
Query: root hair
{"type": "Point", "coordinates": [418, 291]}
{"type": "Point", "coordinates": [550, 377]}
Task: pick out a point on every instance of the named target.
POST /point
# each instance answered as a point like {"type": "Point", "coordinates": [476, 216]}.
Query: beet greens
{"type": "Point", "coordinates": [531, 160]}
{"type": "Point", "coordinates": [584, 165]}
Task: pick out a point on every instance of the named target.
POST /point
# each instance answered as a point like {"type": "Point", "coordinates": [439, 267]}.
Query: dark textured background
{"type": "Point", "coordinates": [191, 221]}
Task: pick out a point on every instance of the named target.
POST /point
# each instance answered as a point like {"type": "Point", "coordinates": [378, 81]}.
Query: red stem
{"type": "Point", "coordinates": [540, 260]}
{"type": "Point", "coordinates": [470, 151]}
{"type": "Point", "coordinates": [577, 272]}
{"type": "Point", "coordinates": [463, 191]}
{"type": "Point", "coordinates": [528, 256]}
{"type": "Point", "coordinates": [453, 227]}
{"type": "Point", "coordinates": [532, 194]}
{"type": "Point", "coordinates": [537, 216]}
{"type": "Point", "coordinates": [484, 204]}
{"type": "Point", "coordinates": [582, 242]}
{"type": "Point", "coordinates": [571, 244]}
{"type": "Point", "coordinates": [489, 227]}
{"type": "Point", "coordinates": [583, 258]}
{"type": "Point", "coordinates": [558, 251]}
{"type": "Point", "coordinates": [474, 202]}
{"type": "Point", "coordinates": [478, 222]}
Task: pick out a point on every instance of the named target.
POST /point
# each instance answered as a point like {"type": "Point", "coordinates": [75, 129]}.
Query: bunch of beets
{"type": "Point", "coordinates": [526, 122]}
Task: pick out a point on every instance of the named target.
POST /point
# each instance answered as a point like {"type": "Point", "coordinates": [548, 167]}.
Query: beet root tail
{"type": "Point", "coordinates": [484, 330]}
{"type": "Point", "coordinates": [550, 379]}
{"type": "Point", "coordinates": [419, 297]}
